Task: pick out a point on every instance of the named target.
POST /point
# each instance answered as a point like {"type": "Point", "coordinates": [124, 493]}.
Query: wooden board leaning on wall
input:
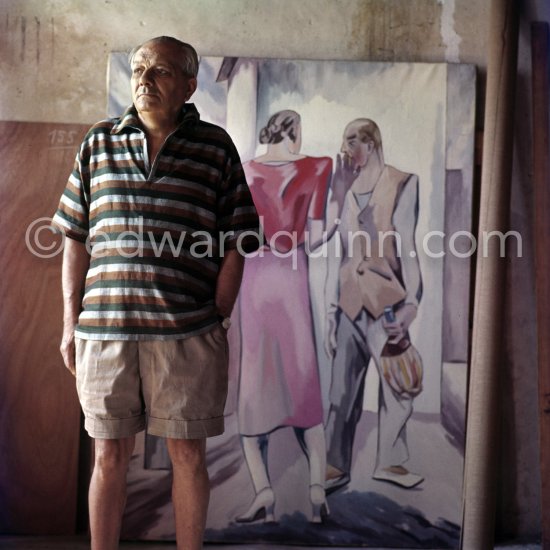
{"type": "Point", "coordinates": [39, 412]}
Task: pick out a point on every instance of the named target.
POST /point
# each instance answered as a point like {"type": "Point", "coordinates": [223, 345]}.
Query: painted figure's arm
{"type": "Point", "coordinates": [229, 281]}
{"type": "Point", "coordinates": [319, 206]}
{"type": "Point", "coordinates": [76, 261]}
{"type": "Point", "coordinates": [332, 289]}
{"type": "Point", "coordinates": [315, 230]}
{"type": "Point", "coordinates": [405, 218]}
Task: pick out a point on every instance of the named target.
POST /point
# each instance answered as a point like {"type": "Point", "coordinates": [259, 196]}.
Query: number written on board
{"type": "Point", "coordinates": [62, 138]}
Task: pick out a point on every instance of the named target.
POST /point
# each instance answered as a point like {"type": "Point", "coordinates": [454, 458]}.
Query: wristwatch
{"type": "Point", "coordinates": [225, 322]}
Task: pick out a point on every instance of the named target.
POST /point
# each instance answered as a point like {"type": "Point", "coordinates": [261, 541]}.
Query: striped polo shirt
{"type": "Point", "coordinates": [156, 233]}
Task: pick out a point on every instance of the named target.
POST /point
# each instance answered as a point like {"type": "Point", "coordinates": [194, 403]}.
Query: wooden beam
{"type": "Point", "coordinates": [486, 358]}
{"type": "Point", "coordinates": [540, 53]}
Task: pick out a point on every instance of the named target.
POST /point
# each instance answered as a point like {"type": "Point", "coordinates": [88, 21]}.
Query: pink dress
{"type": "Point", "coordinates": [279, 376]}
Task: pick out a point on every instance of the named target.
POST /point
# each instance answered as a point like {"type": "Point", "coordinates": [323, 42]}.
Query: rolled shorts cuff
{"type": "Point", "coordinates": [185, 429]}
{"type": "Point", "coordinates": [114, 428]}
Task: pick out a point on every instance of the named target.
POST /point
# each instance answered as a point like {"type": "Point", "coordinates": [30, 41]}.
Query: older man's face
{"type": "Point", "coordinates": [356, 151]}
{"type": "Point", "coordinates": [159, 86]}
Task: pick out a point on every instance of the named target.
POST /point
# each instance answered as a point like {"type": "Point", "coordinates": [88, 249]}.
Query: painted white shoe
{"type": "Point", "coordinates": [318, 503]}
{"type": "Point", "coordinates": [404, 478]}
{"type": "Point", "coordinates": [261, 508]}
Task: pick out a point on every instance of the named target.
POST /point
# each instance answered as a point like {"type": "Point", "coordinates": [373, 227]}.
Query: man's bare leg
{"type": "Point", "coordinates": [107, 496]}
{"type": "Point", "coordinates": [190, 490]}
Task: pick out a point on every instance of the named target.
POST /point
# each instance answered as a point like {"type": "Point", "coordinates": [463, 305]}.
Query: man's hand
{"type": "Point", "coordinates": [330, 334]}
{"type": "Point", "coordinates": [67, 348]}
{"type": "Point", "coordinates": [73, 274]}
{"type": "Point", "coordinates": [229, 281]}
{"type": "Point", "coordinates": [343, 178]}
{"type": "Point", "coordinates": [404, 316]}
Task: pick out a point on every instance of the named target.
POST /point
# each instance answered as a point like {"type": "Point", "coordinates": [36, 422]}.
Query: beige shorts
{"type": "Point", "coordinates": [175, 388]}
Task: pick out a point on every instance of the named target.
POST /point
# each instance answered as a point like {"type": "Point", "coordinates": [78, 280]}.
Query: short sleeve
{"type": "Point", "coordinates": [238, 221]}
{"type": "Point", "coordinates": [317, 205]}
{"type": "Point", "coordinates": [72, 212]}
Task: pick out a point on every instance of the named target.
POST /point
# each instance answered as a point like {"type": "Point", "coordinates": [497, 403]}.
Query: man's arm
{"type": "Point", "coordinates": [405, 218]}
{"type": "Point", "coordinates": [73, 276]}
{"type": "Point", "coordinates": [229, 281]}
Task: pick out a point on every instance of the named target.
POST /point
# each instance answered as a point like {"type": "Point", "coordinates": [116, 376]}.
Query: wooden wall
{"type": "Point", "coordinates": [39, 412]}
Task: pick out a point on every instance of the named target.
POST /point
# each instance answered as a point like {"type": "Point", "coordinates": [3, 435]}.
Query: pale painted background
{"type": "Point", "coordinates": [409, 103]}
{"type": "Point", "coordinates": [53, 67]}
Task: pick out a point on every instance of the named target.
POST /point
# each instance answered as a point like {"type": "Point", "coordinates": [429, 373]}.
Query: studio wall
{"type": "Point", "coordinates": [54, 63]}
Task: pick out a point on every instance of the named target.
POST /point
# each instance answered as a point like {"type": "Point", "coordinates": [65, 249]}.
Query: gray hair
{"type": "Point", "coordinates": [189, 57]}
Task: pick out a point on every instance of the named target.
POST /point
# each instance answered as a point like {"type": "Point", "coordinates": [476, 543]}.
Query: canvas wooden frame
{"type": "Point", "coordinates": [426, 114]}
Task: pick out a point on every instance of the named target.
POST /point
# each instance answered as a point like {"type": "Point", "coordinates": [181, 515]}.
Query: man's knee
{"type": "Point", "coordinates": [113, 454]}
{"type": "Point", "coordinates": [189, 453]}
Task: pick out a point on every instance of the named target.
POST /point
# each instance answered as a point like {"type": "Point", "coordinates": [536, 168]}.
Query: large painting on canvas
{"type": "Point", "coordinates": [345, 419]}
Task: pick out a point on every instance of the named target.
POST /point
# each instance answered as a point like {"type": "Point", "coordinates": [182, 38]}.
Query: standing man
{"type": "Point", "coordinates": [161, 198]}
{"type": "Point", "coordinates": [377, 269]}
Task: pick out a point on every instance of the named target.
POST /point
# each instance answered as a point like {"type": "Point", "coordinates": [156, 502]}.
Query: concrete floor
{"type": "Point", "coordinates": [81, 543]}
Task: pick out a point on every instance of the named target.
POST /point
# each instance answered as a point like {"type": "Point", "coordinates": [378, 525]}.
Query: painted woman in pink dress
{"type": "Point", "coordinates": [279, 379]}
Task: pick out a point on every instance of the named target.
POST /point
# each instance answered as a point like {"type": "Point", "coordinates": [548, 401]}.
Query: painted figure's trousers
{"type": "Point", "coordinates": [357, 342]}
